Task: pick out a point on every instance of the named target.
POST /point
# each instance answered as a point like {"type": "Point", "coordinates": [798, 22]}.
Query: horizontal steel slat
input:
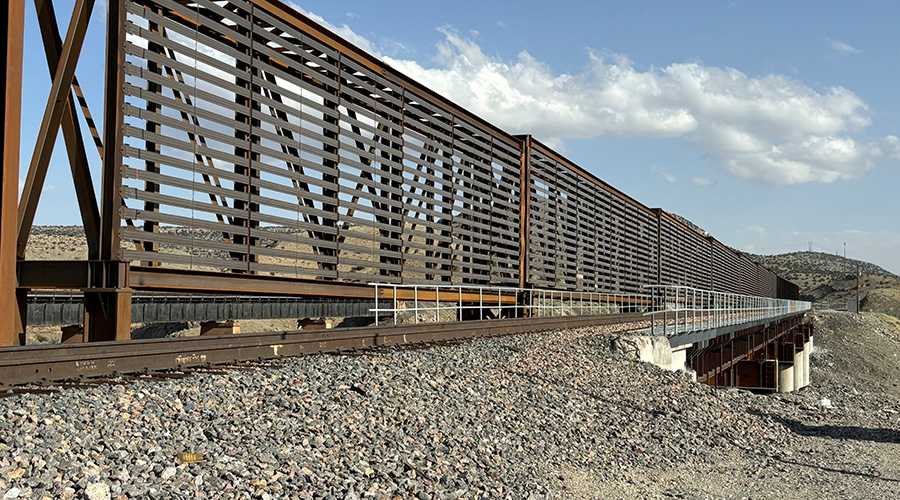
{"type": "Point", "coordinates": [194, 243]}
{"type": "Point", "coordinates": [177, 220]}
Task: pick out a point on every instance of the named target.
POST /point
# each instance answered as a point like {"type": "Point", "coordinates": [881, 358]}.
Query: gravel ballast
{"type": "Point", "coordinates": [545, 415]}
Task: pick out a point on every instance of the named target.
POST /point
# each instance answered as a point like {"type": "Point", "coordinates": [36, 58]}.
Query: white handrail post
{"type": "Point", "coordinates": [376, 304]}
{"type": "Point", "coordinates": [481, 303]}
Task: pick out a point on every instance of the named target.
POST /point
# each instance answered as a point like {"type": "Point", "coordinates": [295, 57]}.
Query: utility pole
{"type": "Point", "coordinates": [845, 249]}
{"type": "Point", "coordinates": [857, 288]}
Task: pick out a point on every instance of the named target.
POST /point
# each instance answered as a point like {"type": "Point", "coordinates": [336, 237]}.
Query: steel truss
{"type": "Point", "coordinates": [247, 150]}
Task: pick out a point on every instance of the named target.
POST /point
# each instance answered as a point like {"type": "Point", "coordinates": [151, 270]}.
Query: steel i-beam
{"type": "Point", "coordinates": [11, 87]}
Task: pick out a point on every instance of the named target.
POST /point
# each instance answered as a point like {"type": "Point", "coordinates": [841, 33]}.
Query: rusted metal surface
{"type": "Point", "coordinates": [315, 164]}
{"type": "Point", "coordinates": [583, 234]}
{"type": "Point", "coordinates": [107, 299]}
{"type": "Point", "coordinates": [12, 25]}
{"type": "Point", "coordinates": [57, 103]}
{"type": "Point", "coordinates": [248, 150]}
{"type": "Point", "coordinates": [181, 280]}
{"type": "Point", "coordinates": [716, 360]}
{"type": "Point", "coordinates": [46, 363]}
{"type": "Point", "coordinates": [78, 162]}
{"type": "Point", "coordinates": [111, 176]}
{"type": "Point", "coordinates": [353, 173]}
{"type": "Point", "coordinates": [525, 212]}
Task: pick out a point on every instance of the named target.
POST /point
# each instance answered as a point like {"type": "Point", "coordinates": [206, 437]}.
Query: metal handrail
{"type": "Point", "coordinates": [508, 301]}
{"type": "Point", "coordinates": [679, 309]}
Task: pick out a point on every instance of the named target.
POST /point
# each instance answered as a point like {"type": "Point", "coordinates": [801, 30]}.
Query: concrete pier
{"type": "Point", "coordinates": [799, 367]}
{"type": "Point", "coordinates": [785, 376]}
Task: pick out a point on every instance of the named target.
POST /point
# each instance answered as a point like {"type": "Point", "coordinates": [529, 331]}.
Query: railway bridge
{"type": "Point", "coordinates": [251, 156]}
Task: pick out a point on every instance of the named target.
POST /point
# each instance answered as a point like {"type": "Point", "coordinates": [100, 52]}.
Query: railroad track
{"type": "Point", "coordinates": [65, 362]}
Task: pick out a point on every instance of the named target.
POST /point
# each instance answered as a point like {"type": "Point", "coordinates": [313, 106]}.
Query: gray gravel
{"type": "Point", "coordinates": [550, 415]}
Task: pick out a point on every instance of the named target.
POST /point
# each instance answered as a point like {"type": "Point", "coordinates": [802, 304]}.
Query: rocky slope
{"type": "Point", "coordinates": [548, 415]}
{"type": "Point", "coordinates": [829, 278]}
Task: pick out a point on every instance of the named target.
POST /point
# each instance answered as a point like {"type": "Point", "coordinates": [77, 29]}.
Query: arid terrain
{"type": "Point", "coordinates": [549, 415]}
{"type": "Point", "coordinates": [827, 278]}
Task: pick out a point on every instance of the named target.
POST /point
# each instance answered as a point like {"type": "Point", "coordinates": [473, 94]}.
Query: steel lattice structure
{"type": "Point", "coordinates": [248, 150]}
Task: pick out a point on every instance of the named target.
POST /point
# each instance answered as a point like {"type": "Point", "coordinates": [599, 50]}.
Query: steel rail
{"type": "Point", "coordinates": [49, 363]}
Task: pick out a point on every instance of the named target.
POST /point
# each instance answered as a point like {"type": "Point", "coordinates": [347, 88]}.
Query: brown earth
{"type": "Point", "coordinates": [826, 278]}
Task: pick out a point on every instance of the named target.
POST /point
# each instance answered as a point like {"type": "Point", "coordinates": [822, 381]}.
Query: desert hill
{"type": "Point", "coordinates": [824, 277]}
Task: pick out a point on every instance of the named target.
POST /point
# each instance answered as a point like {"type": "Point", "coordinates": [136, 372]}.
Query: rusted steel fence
{"type": "Point", "coordinates": [248, 150]}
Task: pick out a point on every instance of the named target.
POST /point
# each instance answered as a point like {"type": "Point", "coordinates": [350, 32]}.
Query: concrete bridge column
{"type": "Point", "coordinates": [786, 366]}
{"type": "Point", "coordinates": [799, 367]}
{"type": "Point", "coordinates": [785, 376]}
{"type": "Point", "coordinates": [807, 349]}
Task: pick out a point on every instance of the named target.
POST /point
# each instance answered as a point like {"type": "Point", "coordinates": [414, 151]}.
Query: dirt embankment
{"type": "Point", "coordinates": [858, 353]}
{"type": "Point", "coordinates": [883, 300]}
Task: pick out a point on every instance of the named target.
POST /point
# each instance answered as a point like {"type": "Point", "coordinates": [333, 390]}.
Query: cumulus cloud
{"type": "Point", "coordinates": [701, 181]}
{"type": "Point", "coordinates": [771, 129]}
{"type": "Point", "coordinates": [843, 48]}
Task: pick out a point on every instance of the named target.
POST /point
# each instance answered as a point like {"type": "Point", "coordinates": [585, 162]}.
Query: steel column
{"type": "Point", "coordinates": [11, 86]}
{"type": "Point", "coordinates": [107, 304]}
{"type": "Point", "coordinates": [524, 215]}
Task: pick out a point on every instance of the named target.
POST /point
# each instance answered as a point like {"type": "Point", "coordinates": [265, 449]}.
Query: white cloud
{"type": "Point", "coordinates": [701, 181]}
{"type": "Point", "coordinates": [664, 172]}
{"type": "Point", "coordinates": [343, 30]}
{"type": "Point", "coordinates": [843, 48]}
{"type": "Point", "coordinates": [771, 129]}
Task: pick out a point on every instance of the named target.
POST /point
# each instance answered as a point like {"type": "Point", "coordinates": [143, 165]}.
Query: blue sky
{"type": "Point", "coordinates": [768, 124]}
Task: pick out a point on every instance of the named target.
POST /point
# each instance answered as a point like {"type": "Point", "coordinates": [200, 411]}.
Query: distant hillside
{"type": "Point", "coordinates": [827, 277]}
{"type": "Point", "coordinates": [820, 276]}
{"type": "Point", "coordinates": [818, 265]}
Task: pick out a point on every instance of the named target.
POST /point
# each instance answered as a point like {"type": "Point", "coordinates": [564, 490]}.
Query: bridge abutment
{"type": "Point", "coordinates": [768, 357]}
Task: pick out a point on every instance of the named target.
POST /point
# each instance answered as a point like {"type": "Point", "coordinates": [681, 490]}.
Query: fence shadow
{"type": "Point", "coordinates": [876, 434]}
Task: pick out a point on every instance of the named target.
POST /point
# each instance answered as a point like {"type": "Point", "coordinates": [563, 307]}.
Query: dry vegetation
{"type": "Point", "coordinates": [830, 278]}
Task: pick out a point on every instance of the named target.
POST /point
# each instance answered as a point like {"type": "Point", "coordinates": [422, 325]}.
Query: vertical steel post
{"type": "Point", "coordinates": [11, 86]}
{"type": "Point", "coordinates": [524, 210]}
{"type": "Point", "coordinates": [107, 304]}
{"type": "Point", "coordinates": [676, 310]}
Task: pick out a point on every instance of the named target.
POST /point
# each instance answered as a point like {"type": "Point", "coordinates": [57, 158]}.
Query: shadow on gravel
{"type": "Point", "coordinates": [877, 435]}
{"type": "Point", "coordinates": [789, 461]}
{"type": "Point", "coordinates": [830, 431]}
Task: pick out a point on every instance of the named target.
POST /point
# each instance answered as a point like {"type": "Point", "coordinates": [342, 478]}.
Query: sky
{"type": "Point", "coordinates": [772, 125]}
